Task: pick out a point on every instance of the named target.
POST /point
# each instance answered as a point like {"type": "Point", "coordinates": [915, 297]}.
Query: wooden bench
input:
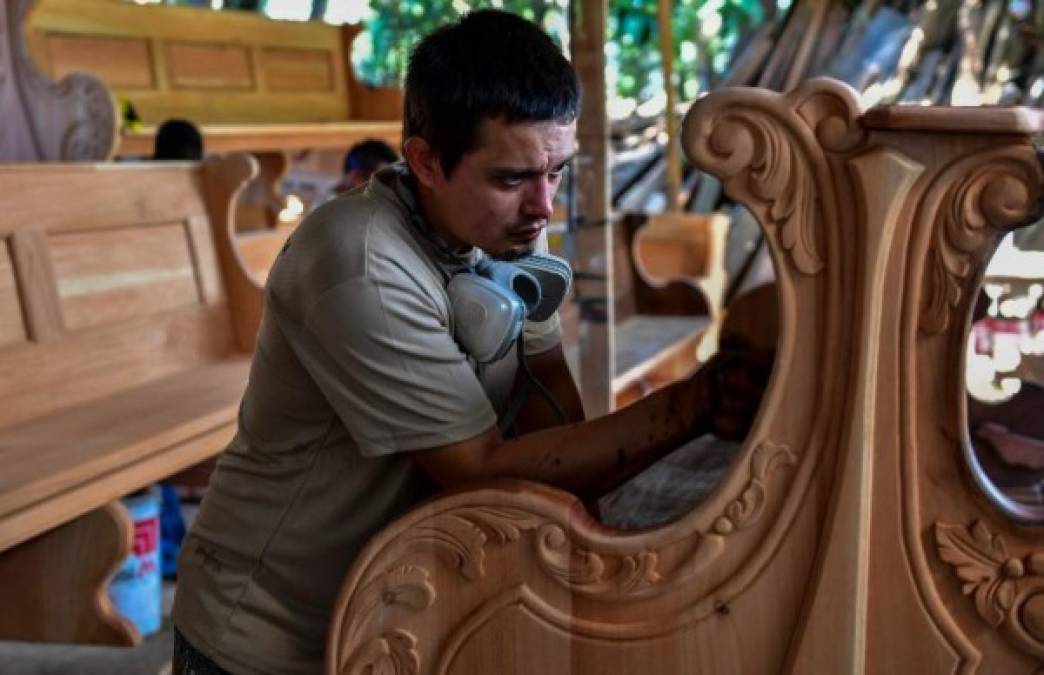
{"type": "Point", "coordinates": [853, 533]}
{"type": "Point", "coordinates": [126, 326]}
{"type": "Point", "coordinates": [272, 88]}
{"type": "Point", "coordinates": [667, 306]}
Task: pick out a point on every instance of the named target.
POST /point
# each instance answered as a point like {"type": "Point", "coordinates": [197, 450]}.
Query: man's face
{"type": "Point", "coordinates": [499, 195]}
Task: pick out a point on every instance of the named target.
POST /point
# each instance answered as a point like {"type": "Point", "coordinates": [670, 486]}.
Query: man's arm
{"type": "Point", "coordinates": [583, 457]}
{"type": "Point", "coordinates": [589, 458]}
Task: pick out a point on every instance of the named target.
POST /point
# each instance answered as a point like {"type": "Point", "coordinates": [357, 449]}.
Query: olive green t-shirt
{"type": "Point", "coordinates": [355, 367]}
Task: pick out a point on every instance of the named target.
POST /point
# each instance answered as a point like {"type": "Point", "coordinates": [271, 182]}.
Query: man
{"type": "Point", "coordinates": [364, 159]}
{"type": "Point", "coordinates": [361, 402]}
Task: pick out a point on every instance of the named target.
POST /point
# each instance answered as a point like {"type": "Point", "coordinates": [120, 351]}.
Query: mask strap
{"type": "Point", "coordinates": [507, 420]}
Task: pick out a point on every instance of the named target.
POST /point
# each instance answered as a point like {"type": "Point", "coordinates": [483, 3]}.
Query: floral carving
{"type": "Point", "coordinates": [748, 507]}
{"type": "Point", "coordinates": [591, 573]}
{"type": "Point", "coordinates": [777, 177]}
{"type": "Point", "coordinates": [460, 537]}
{"type": "Point", "coordinates": [982, 563]}
{"type": "Point", "coordinates": [392, 653]}
{"type": "Point", "coordinates": [767, 155]}
{"type": "Point", "coordinates": [995, 195]}
{"type": "Point", "coordinates": [1007, 589]}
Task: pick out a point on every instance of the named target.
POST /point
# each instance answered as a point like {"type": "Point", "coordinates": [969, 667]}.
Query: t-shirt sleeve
{"type": "Point", "coordinates": [388, 365]}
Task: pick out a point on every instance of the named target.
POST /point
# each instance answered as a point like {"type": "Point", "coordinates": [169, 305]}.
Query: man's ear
{"type": "Point", "coordinates": [423, 160]}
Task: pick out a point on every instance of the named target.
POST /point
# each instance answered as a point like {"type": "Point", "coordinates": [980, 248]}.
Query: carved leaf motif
{"type": "Point", "coordinates": [748, 507]}
{"type": "Point", "coordinates": [779, 176]}
{"type": "Point", "coordinates": [506, 524]}
{"type": "Point", "coordinates": [394, 653]}
{"type": "Point", "coordinates": [586, 571]}
{"type": "Point", "coordinates": [406, 586]}
{"type": "Point", "coordinates": [992, 197]}
{"type": "Point", "coordinates": [460, 542]}
{"type": "Point", "coordinates": [978, 558]}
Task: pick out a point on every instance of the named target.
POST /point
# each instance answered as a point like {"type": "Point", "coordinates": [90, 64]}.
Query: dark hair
{"type": "Point", "coordinates": [368, 156]}
{"type": "Point", "coordinates": [489, 65]}
{"type": "Point", "coordinates": [178, 139]}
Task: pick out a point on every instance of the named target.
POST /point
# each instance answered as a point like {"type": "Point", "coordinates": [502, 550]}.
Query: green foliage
{"type": "Point", "coordinates": [633, 59]}
{"type": "Point", "coordinates": [706, 32]}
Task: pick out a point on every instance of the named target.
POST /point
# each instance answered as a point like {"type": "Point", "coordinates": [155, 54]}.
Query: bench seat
{"type": "Point", "coordinates": [645, 344]}
{"type": "Point", "coordinates": [59, 466]}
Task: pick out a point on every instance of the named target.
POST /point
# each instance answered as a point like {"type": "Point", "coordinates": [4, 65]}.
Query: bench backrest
{"type": "Point", "coordinates": [110, 277]}
{"type": "Point", "coordinates": [206, 66]}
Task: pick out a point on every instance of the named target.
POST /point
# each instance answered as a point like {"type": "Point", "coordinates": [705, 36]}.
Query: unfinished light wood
{"type": "Point", "coordinates": [73, 119]}
{"type": "Point", "coordinates": [251, 83]}
{"type": "Point", "coordinates": [130, 369]}
{"type": "Point", "coordinates": [847, 537]}
{"type": "Point", "coordinates": [259, 249]}
{"type": "Point", "coordinates": [44, 601]}
{"type": "Point", "coordinates": [593, 281]}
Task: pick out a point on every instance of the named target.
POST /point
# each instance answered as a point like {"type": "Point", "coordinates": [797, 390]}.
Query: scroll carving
{"type": "Point", "coordinates": [591, 573]}
{"type": "Point", "coordinates": [1008, 590]}
{"type": "Point", "coordinates": [772, 157]}
{"type": "Point", "coordinates": [73, 120]}
{"type": "Point", "coordinates": [999, 193]}
{"type": "Point", "coordinates": [394, 653]}
{"type": "Point", "coordinates": [748, 507]}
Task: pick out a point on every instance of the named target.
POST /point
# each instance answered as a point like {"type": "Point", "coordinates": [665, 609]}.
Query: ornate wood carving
{"type": "Point", "coordinates": [992, 193]}
{"type": "Point", "coordinates": [776, 154]}
{"type": "Point", "coordinates": [72, 120]}
{"type": "Point", "coordinates": [813, 555]}
{"type": "Point", "coordinates": [1008, 590]}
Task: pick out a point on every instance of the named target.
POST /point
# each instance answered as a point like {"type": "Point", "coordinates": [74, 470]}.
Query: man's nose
{"type": "Point", "coordinates": [539, 198]}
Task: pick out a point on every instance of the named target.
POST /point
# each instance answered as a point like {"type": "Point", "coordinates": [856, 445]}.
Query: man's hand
{"type": "Point", "coordinates": [731, 385]}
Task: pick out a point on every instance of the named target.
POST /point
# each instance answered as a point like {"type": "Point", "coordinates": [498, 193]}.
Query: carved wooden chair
{"type": "Point", "coordinates": [855, 533]}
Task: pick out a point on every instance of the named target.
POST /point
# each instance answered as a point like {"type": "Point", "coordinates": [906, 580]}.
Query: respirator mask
{"type": "Point", "coordinates": [493, 300]}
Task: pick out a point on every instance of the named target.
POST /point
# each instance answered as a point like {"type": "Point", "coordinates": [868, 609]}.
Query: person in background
{"type": "Point", "coordinates": [178, 140]}
{"type": "Point", "coordinates": [362, 161]}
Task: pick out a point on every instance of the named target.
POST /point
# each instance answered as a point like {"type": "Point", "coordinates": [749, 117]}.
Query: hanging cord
{"type": "Point", "coordinates": [530, 382]}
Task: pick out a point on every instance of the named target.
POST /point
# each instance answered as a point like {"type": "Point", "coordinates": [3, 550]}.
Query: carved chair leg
{"type": "Point", "coordinates": [54, 586]}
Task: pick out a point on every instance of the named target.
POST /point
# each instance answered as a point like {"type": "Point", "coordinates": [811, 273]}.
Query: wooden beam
{"type": "Point", "coordinates": [663, 8]}
{"type": "Point", "coordinates": [595, 235]}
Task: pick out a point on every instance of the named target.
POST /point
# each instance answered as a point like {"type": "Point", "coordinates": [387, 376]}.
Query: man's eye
{"type": "Point", "coordinates": [510, 181]}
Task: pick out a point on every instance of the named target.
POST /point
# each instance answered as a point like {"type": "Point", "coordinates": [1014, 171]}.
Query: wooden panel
{"type": "Point", "coordinates": [12, 325]}
{"type": "Point", "coordinates": [208, 66]}
{"type": "Point", "coordinates": [106, 276]}
{"type": "Point", "coordinates": [119, 194]}
{"type": "Point", "coordinates": [35, 380]}
{"type": "Point", "coordinates": [121, 62]}
{"type": "Point", "coordinates": [208, 274]}
{"type": "Point", "coordinates": [36, 286]}
{"type": "Point", "coordinates": [298, 69]}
